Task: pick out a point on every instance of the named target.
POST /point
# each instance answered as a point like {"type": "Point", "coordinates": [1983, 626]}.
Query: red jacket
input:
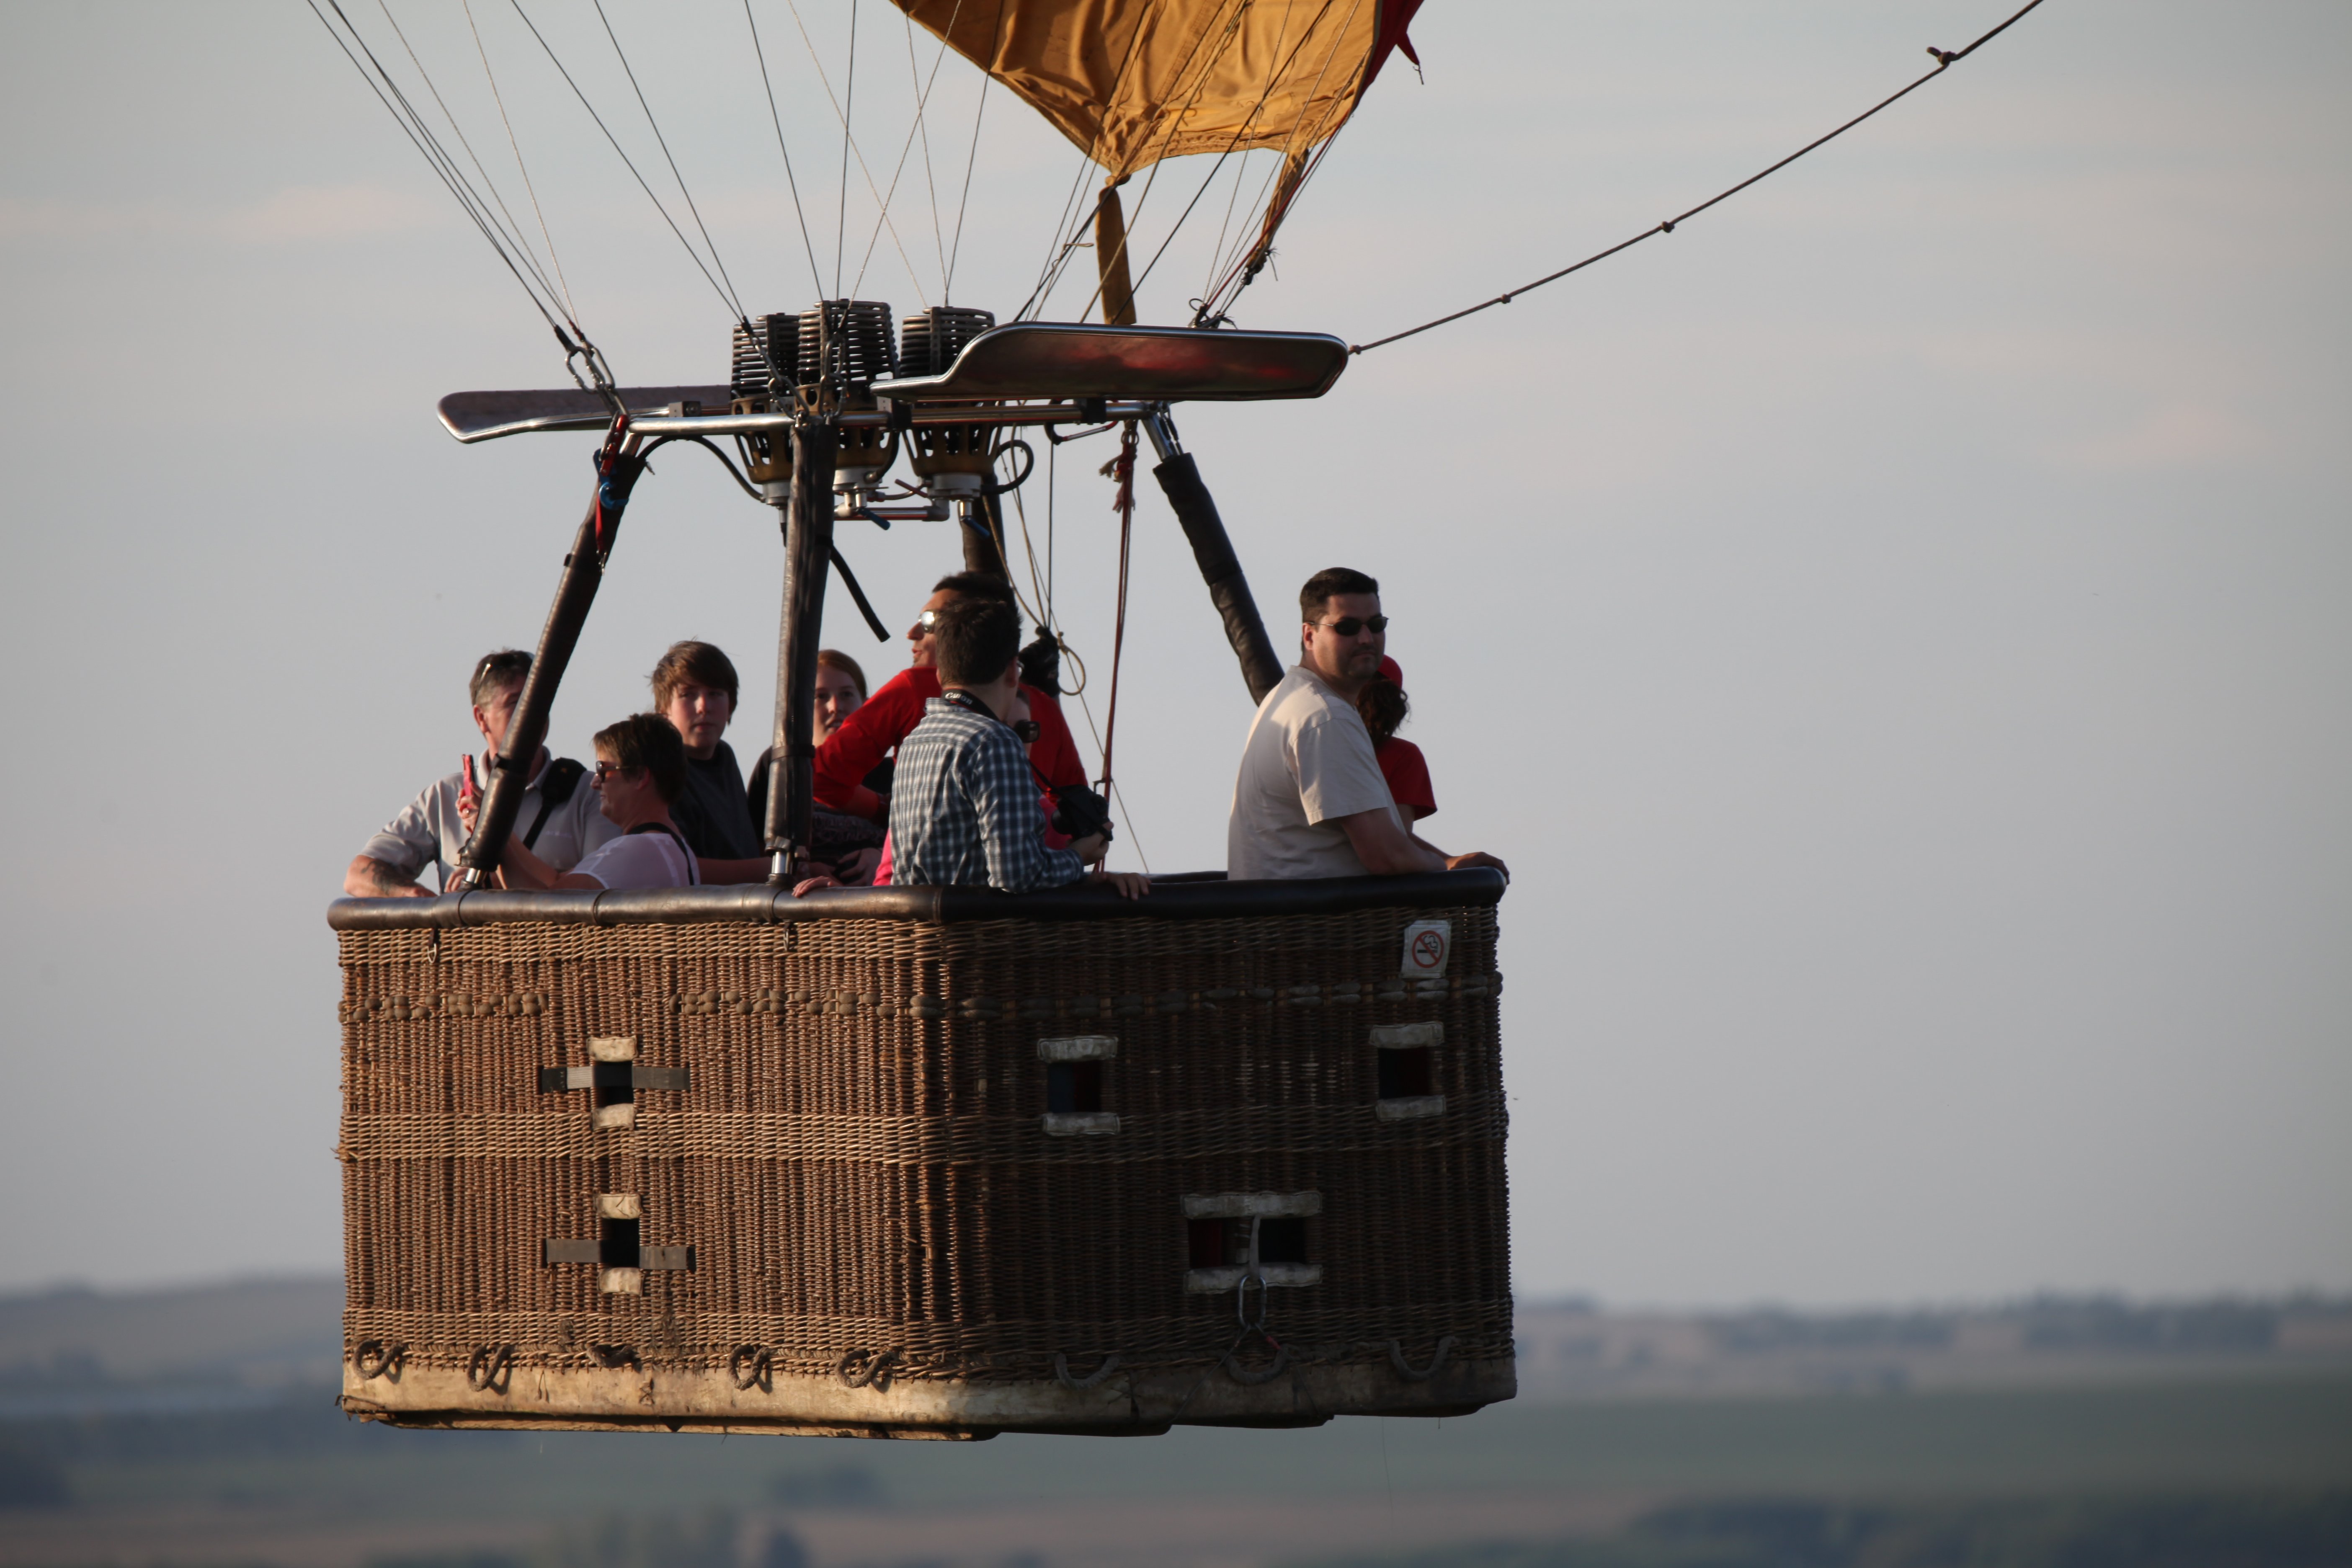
{"type": "Point", "coordinates": [887, 718]}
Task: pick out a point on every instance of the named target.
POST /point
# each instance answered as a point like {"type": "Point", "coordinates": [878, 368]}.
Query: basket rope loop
{"type": "Point", "coordinates": [490, 1368]}
{"type": "Point", "coordinates": [1062, 1370]}
{"type": "Point", "coordinates": [1436, 1360]}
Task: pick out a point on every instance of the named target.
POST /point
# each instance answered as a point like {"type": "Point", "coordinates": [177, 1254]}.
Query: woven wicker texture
{"type": "Point", "coordinates": [860, 1162]}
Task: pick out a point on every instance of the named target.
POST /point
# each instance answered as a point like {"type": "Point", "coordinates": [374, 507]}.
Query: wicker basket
{"type": "Point", "coordinates": [925, 1162]}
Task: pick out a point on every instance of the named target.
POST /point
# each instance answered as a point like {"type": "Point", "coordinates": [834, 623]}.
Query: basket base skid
{"type": "Point", "coordinates": [685, 1400]}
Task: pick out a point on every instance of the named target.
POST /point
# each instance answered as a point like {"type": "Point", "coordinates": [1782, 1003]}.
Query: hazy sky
{"type": "Point", "coordinates": [1894, 626]}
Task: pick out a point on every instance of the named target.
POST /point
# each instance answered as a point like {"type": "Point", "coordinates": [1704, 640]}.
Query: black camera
{"type": "Point", "coordinates": [1081, 813]}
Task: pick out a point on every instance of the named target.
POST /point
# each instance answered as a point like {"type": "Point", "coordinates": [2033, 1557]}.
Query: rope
{"type": "Point", "coordinates": [865, 1369]}
{"type": "Point", "coordinates": [373, 1358]}
{"type": "Point", "coordinates": [1062, 1370]}
{"type": "Point", "coordinates": [816, 276]}
{"type": "Point", "coordinates": [752, 1366]}
{"type": "Point", "coordinates": [1052, 621]}
{"type": "Point", "coordinates": [1123, 468]}
{"type": "Point", "coordinates": [1436, 1360]}
{"type": "Point", "coordinates": [490, 1367]}
{"type": "Point", "coordinates": [1945, 60]}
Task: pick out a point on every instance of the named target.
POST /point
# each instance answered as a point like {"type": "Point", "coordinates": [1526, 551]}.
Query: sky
{"type": "Point", "coordinates": [1894, 626]}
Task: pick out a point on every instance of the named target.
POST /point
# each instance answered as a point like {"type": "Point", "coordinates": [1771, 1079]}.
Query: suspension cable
{"type": "Point", "coordinates": [512, 229]}
{"type": "Point", "coordinates": [1945, 60]}
{"type": "Point", "coordinates": [923, 98]}
{"type": "Point", "coordinates": [816, 276]}
{"type": "Point", "coordinates": [872, 189]}
{"type": "Point", "coordinates": [1175, 123]}
{"type": "Point", "coordinates": [520, 167]}
{"type": "Point", "coordinates": [663, 142]}
{"type": "Point", "coordinates": [914, 75]}
{"type": "Point", "coordinates": [693, 255]}
{"type": "Point", "coordinates": [970, 162]}
{"type": "Point", "coordinates": [1263, 249]}
{"type": "Point", "coordinates": [1057, 258]}
{"type": "Point", "coordinates": [420, 137]}
{"type": "Point", "coordinates": [848, 113]}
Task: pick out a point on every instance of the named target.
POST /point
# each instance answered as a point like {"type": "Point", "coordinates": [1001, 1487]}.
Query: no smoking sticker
{"type": "Point", "coordinates": [1427, 946]}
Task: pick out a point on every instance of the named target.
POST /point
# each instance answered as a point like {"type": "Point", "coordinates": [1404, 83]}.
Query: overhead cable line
{"type": "Point", "coordinates": [816, 275]}
{"type": "Point", "coordinates": [1945, 60]}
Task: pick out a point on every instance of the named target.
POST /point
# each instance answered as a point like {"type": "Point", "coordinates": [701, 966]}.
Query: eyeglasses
{"type": "Point", "coordinates": [606, 770]}
{"type": "Point", "coordinates": [1349, 626]}
{"type": "Point", "coordinates": [927, 623]}
{"type": "Point", "coordinates": [1027, 729]}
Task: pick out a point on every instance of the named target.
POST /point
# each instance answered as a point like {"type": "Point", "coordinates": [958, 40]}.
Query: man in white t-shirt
{"type": "Point", "coordinates": [1311, 800]}
{"type": "Point", "coordinates": [640, 771]}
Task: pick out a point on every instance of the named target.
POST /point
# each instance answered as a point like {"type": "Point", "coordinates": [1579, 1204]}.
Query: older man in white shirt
{"type": "Point", "coordinates": [560, 818]}
{"type": "Point", "coordinates": [1310, 800]}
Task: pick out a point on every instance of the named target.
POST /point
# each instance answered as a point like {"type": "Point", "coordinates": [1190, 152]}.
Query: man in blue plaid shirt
{"type": "Point", "coordinates": [965, 805]}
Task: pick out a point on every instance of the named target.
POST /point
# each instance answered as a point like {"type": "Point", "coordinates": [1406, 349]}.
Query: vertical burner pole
{"type": "Point", "coordinates": [808, 549]}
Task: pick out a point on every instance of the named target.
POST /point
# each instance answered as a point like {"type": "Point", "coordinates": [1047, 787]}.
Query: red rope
{"type": "Point", "coordinates": [1122, 469]}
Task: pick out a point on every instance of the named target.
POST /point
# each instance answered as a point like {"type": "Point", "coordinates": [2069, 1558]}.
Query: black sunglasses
{"type": "Point", "coordinates": [1349, 626]}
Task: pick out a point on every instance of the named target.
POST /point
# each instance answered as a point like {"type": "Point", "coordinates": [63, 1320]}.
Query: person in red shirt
{"type": "Point", "coordinates": [851, 752]}
{"type": "Point", "coordinates": [1384, 707]}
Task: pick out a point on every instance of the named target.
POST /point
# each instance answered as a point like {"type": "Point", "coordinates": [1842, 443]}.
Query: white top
{"type": "Point", "coordinates": [428, 831]}
{"type": "Point", "coordinates": [642, 861]}
{"type": "Point", "coordinates": [1308, 759]}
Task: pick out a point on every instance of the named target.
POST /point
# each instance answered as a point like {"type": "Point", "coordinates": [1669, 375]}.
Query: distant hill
{"type": "Point", "coordinates": [242, 1332]}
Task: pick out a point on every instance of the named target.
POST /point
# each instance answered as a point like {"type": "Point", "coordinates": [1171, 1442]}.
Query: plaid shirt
{"type": "Point", "coordinates": [964, 808]}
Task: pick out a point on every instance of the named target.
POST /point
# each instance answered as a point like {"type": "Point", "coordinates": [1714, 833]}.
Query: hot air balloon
{"type": "Point", "coordinates": [938, 1162]}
